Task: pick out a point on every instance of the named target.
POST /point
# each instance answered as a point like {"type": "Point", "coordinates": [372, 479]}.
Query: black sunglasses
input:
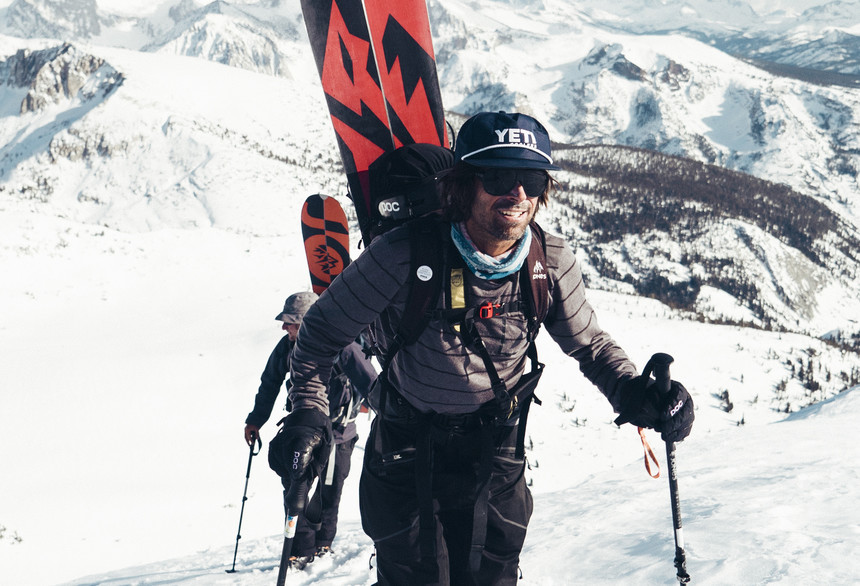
{"type": "Point", "coordinates": [502, 181]}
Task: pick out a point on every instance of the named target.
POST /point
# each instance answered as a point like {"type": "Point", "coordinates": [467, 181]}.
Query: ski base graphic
{"type": "Point", "coordinates": [326, 235]}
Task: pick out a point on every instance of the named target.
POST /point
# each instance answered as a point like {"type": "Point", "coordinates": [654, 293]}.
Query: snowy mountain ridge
{"type": "Point", "coordinates": [77, 158]}
{"type": "Point", "coordinates": [661, 92]}
{"type": "Point", "coordinates": [56, 19]}
{"type": "Point", "coordinates": [226, 34]}
{"type": "Point", "coordinates": [574, 66]}
{"type": "Point", "coordinates": [688, 234]}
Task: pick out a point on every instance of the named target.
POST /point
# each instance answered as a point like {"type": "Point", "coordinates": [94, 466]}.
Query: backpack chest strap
{"type": "Point", "coordinates": [486, 311]}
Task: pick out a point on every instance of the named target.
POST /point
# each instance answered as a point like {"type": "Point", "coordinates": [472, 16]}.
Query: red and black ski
{"type": "Point", "coordinates": [326, 235]}
{"type": "Point", "coordinates": [378, 72]}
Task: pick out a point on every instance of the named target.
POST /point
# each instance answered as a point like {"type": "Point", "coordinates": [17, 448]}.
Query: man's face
{"type": "Point", "coordinates": [292, 330]}
{"type": "Point", "coordinates": [497, 222]}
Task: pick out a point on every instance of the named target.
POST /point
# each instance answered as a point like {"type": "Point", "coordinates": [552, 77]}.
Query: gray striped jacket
{"type": "Point", "coordinates": [439, 373]}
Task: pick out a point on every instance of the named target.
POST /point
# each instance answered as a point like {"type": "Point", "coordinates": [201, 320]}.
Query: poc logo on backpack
{"type": "Point", "coordinates": [394, 208]}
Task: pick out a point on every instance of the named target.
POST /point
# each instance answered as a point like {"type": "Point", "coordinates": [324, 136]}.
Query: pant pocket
{"type": "Point", "coordinates": [387, 496]}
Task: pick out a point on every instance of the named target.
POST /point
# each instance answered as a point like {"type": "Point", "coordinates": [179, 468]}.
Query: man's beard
{"type": "Point", "coordinates": [504, 231]}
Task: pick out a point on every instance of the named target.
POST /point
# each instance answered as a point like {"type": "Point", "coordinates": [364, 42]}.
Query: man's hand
{"type": "Point", "coordinates": [677, 415]}
{"type": "Point", "coordinates": [302, 446]}
{"type": "Point", "coordinates": [252, 432]}
{"type": "Point", "coordinates": [671, 414]}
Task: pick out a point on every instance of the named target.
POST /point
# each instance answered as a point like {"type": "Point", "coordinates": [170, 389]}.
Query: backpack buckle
{"type": "Point", "coordinates": [487, 310]}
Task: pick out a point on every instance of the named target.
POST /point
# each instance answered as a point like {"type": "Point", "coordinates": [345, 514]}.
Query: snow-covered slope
{"type": "Point", "coordinates": [815, 34]}
{"type": "Point", "coordinates": [131, 359]}
{"type": "Point", "coordinates": [745, 521]}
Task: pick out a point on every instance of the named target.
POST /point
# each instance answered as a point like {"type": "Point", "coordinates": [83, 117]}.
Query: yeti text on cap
{"type": "Point", "coordinates": [518, 137]}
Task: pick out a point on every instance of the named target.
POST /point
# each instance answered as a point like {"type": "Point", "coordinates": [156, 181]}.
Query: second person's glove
{"type": "Point", "coordinates": [302, 445]}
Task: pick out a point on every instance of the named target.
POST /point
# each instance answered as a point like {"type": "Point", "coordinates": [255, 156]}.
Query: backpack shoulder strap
{"type": "Point", "coordinates": [537, 285]}
{"type": "Point", "coordinates": [425, 281]}
{"type": "Point", "coordinates": [425, 284]}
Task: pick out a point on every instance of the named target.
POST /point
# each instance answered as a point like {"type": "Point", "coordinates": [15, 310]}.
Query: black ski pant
{"type": "Point", "coordinates": [391, 495]}
{"type": "Point", "coordinates": [308, 537]}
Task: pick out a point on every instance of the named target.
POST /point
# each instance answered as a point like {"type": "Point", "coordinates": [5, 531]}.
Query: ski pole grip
{"type": "Point", "coordinates": [659, 363]}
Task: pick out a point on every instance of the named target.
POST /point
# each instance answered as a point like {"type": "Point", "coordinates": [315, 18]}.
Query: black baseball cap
{"type": "Point", "coordinates": [499, 139]}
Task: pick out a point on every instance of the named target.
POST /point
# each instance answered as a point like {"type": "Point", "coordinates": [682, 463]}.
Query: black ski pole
{"type": "Point", "coordinates": [294, 506]}
{"type": "Point", "coordinates": [255, 440]}
{"type": "Point", "coordinates": [660, 364]}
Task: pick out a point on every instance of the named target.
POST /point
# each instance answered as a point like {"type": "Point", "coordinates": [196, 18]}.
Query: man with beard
{"type": "Point", "coordinates": [443, 493]}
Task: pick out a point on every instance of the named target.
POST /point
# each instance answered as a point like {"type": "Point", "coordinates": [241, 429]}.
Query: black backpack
{"type": "Point", "coordinates": [403, 186]}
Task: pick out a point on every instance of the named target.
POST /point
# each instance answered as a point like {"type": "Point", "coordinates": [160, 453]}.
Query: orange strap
{"type": "Point", "coordinates": [649, 453]}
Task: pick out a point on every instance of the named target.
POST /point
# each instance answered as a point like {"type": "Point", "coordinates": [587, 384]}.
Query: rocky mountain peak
{"type": "Point", "coordinates": [58, 73]}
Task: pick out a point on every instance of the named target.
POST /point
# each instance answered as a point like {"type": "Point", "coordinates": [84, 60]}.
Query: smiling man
{"type": "Point", "coordinates": [443, 493]}
{"type": "Point", "coordinates": [500, 180]}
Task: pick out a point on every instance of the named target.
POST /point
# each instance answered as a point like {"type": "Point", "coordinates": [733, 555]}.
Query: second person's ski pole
{"type": "Point", "coordinates": [255, 441]}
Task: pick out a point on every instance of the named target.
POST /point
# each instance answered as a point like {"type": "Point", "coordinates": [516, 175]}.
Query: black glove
{"type": "Point", "coordinates": [300, 449]}
{"type": "Point", "coordinates": [671, 414]}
